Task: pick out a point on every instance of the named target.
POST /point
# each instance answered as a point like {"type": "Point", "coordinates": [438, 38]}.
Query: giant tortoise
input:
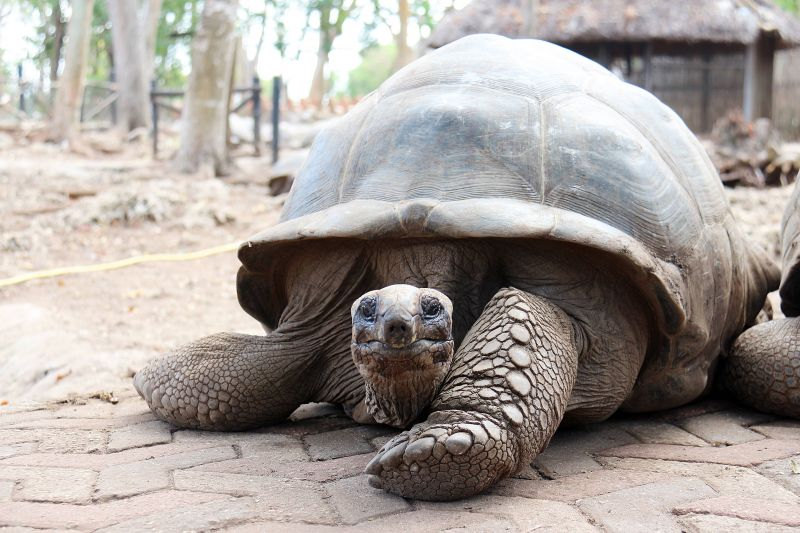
{"type": "Point", "coordinates": [502, 236]}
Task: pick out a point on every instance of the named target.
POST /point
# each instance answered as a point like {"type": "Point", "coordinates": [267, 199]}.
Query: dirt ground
{"type": "Point", "coordinates": [90, 332]}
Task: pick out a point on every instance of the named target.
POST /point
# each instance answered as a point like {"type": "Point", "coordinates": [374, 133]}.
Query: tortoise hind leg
{"type": "Point", "coordinates": [229, 381]}
{"type": "Point", "coordinates": [763, 368]}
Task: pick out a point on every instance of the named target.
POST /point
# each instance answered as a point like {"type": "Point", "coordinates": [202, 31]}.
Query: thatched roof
{"type": "Point", "coordinates": [574, 21]}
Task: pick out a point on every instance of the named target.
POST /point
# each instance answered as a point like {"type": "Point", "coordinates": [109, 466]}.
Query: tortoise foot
{"type": "Point", "coordinates": [452, 455]}
{"type": "Point", "coordinates": [763, 368]}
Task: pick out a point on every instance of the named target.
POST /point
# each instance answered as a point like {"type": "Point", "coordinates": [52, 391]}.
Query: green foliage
{"type": "Point", "coordinates": [792, 6]}
{"type": "Point", "coordinates": [100, 57]}
{"type": "Point", "coordinates": [375, 67]}
{"type": "Point", "coordinates": [386, 13]}
{"type": "Point", "coordinates": [179, 19]}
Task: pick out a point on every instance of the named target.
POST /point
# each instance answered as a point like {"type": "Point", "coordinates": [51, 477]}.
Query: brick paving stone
{"type": "Point", "coordinates": [57, 440]}
{"type": "Point", "coordinates": [72, 441]}
{"type": "Point", "coordinates": [747, 509]}
{"type": "Point", "coordinates": [90, 517]}
{"type": "Point", "coordinates": [138, 435]}
{"type": "Point", "coordinates": [258, 446]}
{"type": "Point", "coordinates": [428, 520]}
{"type": "Point", "coordinates": [287, 499]}
{"type": "Point", "coordinates": [153, 474]}
{"type": "Point", "coordinates": [343, 442]}
{"type": "Point", "coordinates": [724, 427]}
{"type": "Point", "coordinates": [319, 471]}
{"type": "Point", "coordinates": [10, 419]}
{"type": "Point", "coordinates": [569, 451]}
{"type": "Point", "coordinates": [704, 523]}
{"type": "Point", "coordinates": [20, 448]}
{"type": "Point", "coordinates": [727, 480]}
{"type": "Point", "coordinates": [6, 489]}
{"type": "Point", "coordinates": [96, 461]}
{"type": "Point", "coordinates": [785, 472]}
{"type": "Point", "coordinates": [302, 428]}
{"type": "Point", "coordinates": [783, 430]}
{"type": "Point", "coordinates": [527, 514]}
{"type": "Point", "coordinates": [128, 479]}
{"type": "Point", "coordinates": [578, 486]}
{"type": "Point", "coordinates": [201, 517]}
{"type": "Point", "coordinates": [645, 508]}
{"type": "Point", "coordinates": [656, 432]}
{"type": "Point", "coordinates": [356, 501]}
{"type": "Point", "coordinates": [747, 454]}
{"type": "Point", "coordinates": [83, 423]}
{"type": "Point", "coordinates": [16, 436]}
{"type": "Point", "coordinates": [65, 485]}
{"type": "Point", "coordinates": [696, 409]}
{"type": "Point", "coordinates": [260, 526]}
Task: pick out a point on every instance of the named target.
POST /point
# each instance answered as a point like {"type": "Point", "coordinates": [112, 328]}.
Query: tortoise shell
{"type": "Point", "coordinates": [490, 137]}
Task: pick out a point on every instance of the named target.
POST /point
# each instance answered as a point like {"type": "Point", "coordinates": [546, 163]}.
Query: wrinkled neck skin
{"type": "Point", "coordinates": [397, 396]}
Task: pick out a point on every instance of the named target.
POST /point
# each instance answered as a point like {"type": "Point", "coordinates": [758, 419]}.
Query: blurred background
{"type": "Point", "coordinates": [142, 140]}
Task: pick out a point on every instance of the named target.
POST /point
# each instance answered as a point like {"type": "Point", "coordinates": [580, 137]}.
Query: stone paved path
{"type": "Point", "coordinates": [92, 465]}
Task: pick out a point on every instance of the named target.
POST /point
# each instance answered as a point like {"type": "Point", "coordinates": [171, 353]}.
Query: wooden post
{"type": "Point", "coordinates": [154, 110]}
{"type": "Point", "coordinates": [257, 114]}
{"type": "Point", "coordinates": [276, 116]}
{"type": "Point", "coordinates": [759, 64]}
{"type": "Point", "coordinates": [705, 96]}
{"type": "Point", "coordinates": [21, 85]}
{"type": "Point", "coordinates": [648, 66]}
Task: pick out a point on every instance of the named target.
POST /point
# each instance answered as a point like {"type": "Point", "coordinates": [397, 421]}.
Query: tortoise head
{"type": "Point", "coordinates": [403, 346]}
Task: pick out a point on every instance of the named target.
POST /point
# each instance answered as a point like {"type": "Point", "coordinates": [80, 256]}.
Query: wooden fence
{"type": "Point", "coordinates": [786, 96]}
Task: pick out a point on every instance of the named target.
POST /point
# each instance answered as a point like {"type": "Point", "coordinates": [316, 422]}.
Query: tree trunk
{"type": "Point", "coordinates": [404, 52]}
{"type": "Point", "coordinates": [205, 112]}
{"type": "Point", "coordinates": [317, 92]}
{"type": "Point", "coordinates": [150, 19]}
{"type": "Point", "coordinates": [129, 43]}
{"type": "Point", "coordinates": [71, 84]}
{"type": "Point", "coordinates": [58, 41]}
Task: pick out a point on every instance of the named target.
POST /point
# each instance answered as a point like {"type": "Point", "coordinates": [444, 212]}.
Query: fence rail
{"type": "Point", "coordinates": [253, 96]}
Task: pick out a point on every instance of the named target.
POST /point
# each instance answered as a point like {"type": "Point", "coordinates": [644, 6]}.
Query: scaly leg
{"type": "Point", "coordinates": [763, 368]}
{"type": "Point", "coordinates": [497, 409]}
{"type": "Point", "coordinates": [229, 381]}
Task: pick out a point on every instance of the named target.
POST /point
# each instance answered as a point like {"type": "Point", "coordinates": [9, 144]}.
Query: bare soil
{"type": "Point", "coordinates": [87, 333]}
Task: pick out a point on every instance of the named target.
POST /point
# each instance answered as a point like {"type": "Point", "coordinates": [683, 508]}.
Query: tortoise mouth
{"type": "Point", "coordinates": [422, 355]}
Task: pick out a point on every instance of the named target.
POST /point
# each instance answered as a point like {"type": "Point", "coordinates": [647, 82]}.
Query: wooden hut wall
{"type": "Point", "coordinates": [701, 83]}
{"type": "Point", "coordinates": [786, 95]}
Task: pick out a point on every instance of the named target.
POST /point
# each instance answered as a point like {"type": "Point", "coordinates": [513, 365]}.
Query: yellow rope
{"type": "Point", "coordinates": [135, 260]}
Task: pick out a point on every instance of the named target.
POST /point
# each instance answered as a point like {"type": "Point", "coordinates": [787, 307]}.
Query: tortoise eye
{"type": "Point", "coordinates": [368, 309]}
{"type": "Point", "coordinates": [431, 307]}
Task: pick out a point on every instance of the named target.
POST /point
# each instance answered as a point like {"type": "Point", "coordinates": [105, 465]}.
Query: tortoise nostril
{"type": "Point", "coordinates": [397, 331]}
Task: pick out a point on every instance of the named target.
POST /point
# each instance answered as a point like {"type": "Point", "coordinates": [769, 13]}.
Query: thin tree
{"type": "Point", "coordinates": [71, 84]}
{"type": "Point", "coordinates": [405, 13]}
{"type": "Point", "coordinates": [129, 64]}
{"type": "Point", "coordinates": [204, 146]}
{"type": "Point", "coordinates": [150, 18]}
{"type": "Point", "coordinates": [332, 16]}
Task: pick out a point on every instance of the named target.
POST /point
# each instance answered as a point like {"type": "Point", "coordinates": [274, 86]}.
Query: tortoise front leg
{"type": "Point", "coordinates": [497, 409]}
{"type": "Point", "coordinates": [229, 381]}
